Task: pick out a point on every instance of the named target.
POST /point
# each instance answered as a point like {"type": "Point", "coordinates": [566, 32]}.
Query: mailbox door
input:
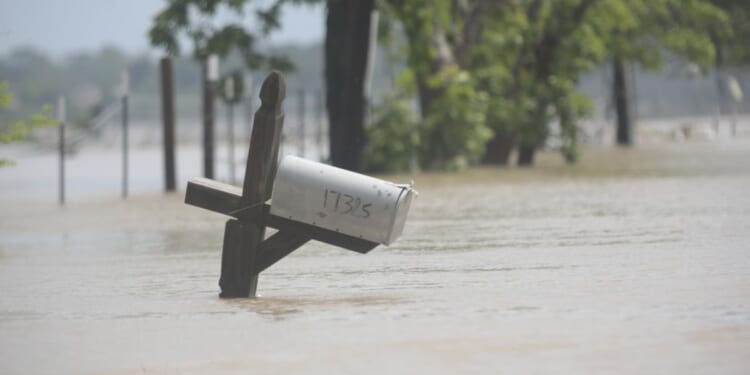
{"type": "Point", "coordinates": [402, 209]}
{"type": "Point", "coordinates": [339, 200]}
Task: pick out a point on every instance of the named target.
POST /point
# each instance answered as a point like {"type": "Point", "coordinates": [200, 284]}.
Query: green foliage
{"type": "Point", "coordinates": [641, 30]}
{"type": "Point", "coordinates": [88, 78]}
{"type": "Point", "coordinates": [570, 109]}
{"type": "Point", "coordinates": [5, 97]}
{"type": "Point", "coordinates": [731, 37]}
{"type": "Point", "coordinates": [484, 67]}
{"type": "Point", "coordinates": [19, 130]}
{"type": "Point", "coordinates": [454, 131]}
{"type": "Point", "coordinates": [193, 19]}
{"type": "Point", "coordinates": [528, 60]}
{"type": "Point", "coordinates": [451, 137]}
{"type": "Point", "coordinates": [526, 57]}
{"type": "Point", "coordinates": [393, 136]}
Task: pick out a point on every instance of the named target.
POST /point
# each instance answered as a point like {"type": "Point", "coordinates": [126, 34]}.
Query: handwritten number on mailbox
{"type": "Point", "coordinates": [364, 209]}
{"type": "Point", "coordinates": [349, 199]}
{"type": "Point", "coordinates": [351, 205]}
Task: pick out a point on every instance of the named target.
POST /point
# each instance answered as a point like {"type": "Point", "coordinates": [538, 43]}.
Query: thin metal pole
{"type": "Point", "coordinates": [321, 124]}
{"type": "Point", "coordinates": [633, 103]}
{"type": "Point", "coordinates": [301, 117]}
{"type": "Point", "coordinates": [230, 141]}
{"type": "Point", "coordinates": [61, 118]}
{"type": "Point", "coordinates": [125, 146]}
{"type": "Point", "coordinates": [62, 163]}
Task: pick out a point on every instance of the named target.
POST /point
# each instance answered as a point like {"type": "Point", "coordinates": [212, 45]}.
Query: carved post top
{"type": "Point", "coordinates": [264, 142]}
{"type": "Point", "coordinates": [272, 93]}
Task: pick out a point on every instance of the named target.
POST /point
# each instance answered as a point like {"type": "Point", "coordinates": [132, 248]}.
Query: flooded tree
{"type": "Point", "coordinates": [347, 36]}
{"type": "Point", "coordinates": [730, 43]}
{"type": "Point", "coordinates": [640, 31]}
{"type": "Point", "coordinates": [521, 58]}
{"type": "Point", "coordinates": [439, 34]}
{"type": "Point", "coordinates": [346, 55]}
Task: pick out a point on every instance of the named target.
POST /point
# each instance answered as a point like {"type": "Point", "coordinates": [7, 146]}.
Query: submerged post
{"type": "Point", "coordinates": [167, 116]}
{"type": "Point", "coordinates": [209, 75]}
{"type": "Point", "coordinates": [242, 238]}
{"type": "Point", "coordinates": [248, 106]}
{"type": "Point", "coordinates": [230, 142]}
{"type": "Point", "coordinates": [312, 201]}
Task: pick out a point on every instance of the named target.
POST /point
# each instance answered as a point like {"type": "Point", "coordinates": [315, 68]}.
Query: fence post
{"type": "Point", "coordinates": [209, 75]}
{"type": "Point", "coordinates": [167, 116]}
{"type": "Point", "coordinates": [230, 141]}
{"type": "Point", "coordinates": [61, 119]}
{"type": "Point", "coordinates": [125, 82]}
{"type": "Point", "coordinates": [248, 105]}
{"type": "Point", "coordinates": [321, 123]}
{"type": "Point", "coordinates": [301, 117]}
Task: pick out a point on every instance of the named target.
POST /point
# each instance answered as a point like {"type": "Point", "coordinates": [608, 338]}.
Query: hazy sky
{"type": "Point", "coordinates": [64, 26]}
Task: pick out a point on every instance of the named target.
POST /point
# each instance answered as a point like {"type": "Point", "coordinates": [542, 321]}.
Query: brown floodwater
{"type": "Point", "coordinates": [633, 261]}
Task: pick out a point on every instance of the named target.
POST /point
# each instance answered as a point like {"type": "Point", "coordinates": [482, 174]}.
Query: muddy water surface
{"type": "Point", "coordinates": [631, 262]}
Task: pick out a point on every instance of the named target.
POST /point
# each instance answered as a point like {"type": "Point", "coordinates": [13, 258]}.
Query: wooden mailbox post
{"type": "Point", "coordinates": [245, 252]}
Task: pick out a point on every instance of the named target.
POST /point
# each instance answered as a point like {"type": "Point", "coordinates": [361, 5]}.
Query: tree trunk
{"type": "Point", "coordinates": [622, 107]}
{"type": "Point", "coordinates": [526, 155]}
{"type": "Point", "coordinates": [721, 93]}
{"type": "Point", "coordinates": [443, 58]}
{"type": "Point", "coordinates": [498, 149]}
{"type": "Point", "coordinates": [347, 44]}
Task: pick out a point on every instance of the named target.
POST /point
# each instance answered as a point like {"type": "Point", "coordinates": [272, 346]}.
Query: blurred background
{"type": "Point", "coordinates": [376, 86]}
{"type": "Point", "coordinates": [582, 168]}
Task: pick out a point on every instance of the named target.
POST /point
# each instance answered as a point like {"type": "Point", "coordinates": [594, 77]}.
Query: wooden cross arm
{"type": "Point", "coordinates": [226, 199]}
{"type": "Point", "coordinates": [279, 245]}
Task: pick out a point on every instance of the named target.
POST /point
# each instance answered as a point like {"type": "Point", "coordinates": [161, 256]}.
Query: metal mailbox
{"type": "Point", "coordinates": [340, 200]}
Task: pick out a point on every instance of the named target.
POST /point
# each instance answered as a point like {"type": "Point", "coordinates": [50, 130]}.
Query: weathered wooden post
{"type": "Point", "coordinates": [311, 201]}
{"type": "Point", "coordinates": [248, 106]}
{"type": "Point", "coordinates": [230, 142]}
{"type": "Point", "coordinates": [167, 116]}
{"type": "Point", "coordinates": [241, 238]}
{"type": "Point", "coordinates": [209, 75]}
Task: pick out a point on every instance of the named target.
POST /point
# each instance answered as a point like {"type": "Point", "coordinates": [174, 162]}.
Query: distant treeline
{"type": "Point", "coordinates": [91, 79]}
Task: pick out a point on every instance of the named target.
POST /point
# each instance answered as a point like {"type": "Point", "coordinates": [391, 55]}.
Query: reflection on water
{"type": "Point", "coordinates": [629, 261]}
